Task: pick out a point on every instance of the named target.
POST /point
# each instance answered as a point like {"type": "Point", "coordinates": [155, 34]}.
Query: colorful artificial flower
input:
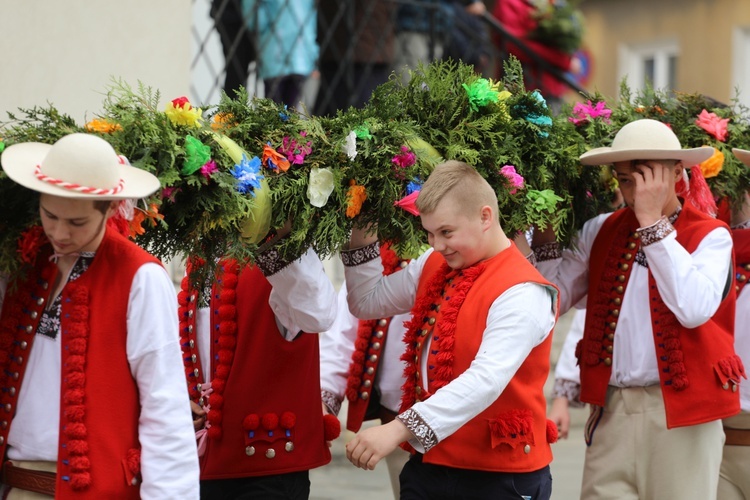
{"type": "Point", "coordinates": [247, 173]}
{"type": "Point", "coordinates": [181, 112]}
{"type": "Point", "coordinates": [409, 203]}
{"type": "Point", "coordinates": [363, 132]}
{"type": "Point", "coordinates": [221, 121]}
{"type": "Point", "coordinates": [169, 193]}
{"type": "Point", "coordinates": [516, 181]}
{"type": "Point", "coordinates": [102, 126]}
{"type": "Point", "coordinates": [713, 125]}
{"type": "Point", "coordinates": [350, 145]}
{"type": "Point", "coordinates": [712, 166]}
{"type": "Point", "coordinates": [481, 93]}
{"type": "Point", "coordinates": [284, 115]}
{"type": "Point", "coordinates": [545, 200]}
{"type": "Point", "coordinates": [584, 113]}
{"type": "Point", "coordinates": [197, 154]}
{"type": "Point", "coordinates": [294, 150]}
{"type": "Point", "coordinates": [405, 159]}
{"type": "Point", "coordinates": [274, 160]}
{"type": "Point", "coordinates": [542, 120]}
{"type": "Point", "coordinates": [415, 185]}
{"type": "Point", "coordinates": [355, 197]}
{"type": "Point", "coordinates": [139, 216]}
{"type": "Point", "coordinates": [2, 146]}
{"type": "Point", "coordinates": [320, 186]}
{"type": "Point", "coordinates": [209, 168]}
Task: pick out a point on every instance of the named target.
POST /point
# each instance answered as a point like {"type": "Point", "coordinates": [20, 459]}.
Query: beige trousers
{"type": "Point", "coordinates": [633, 456]}
{"type": "Point", "coordinates": [16, 494]}
{"type": "Point", "coordinates": [734, 480]}
{"type": "Point", "coordinates": [395, 462]}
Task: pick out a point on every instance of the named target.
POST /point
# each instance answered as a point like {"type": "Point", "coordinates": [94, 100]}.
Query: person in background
{"type": "Point", "coordinates": [90, 368]}
{"type": "Point", "coordinates": [287, 46]}
{"type": "Point", "coordinates": [356, 52]}
{"type": "Point", "coordinates": [237, 43]}
{"type": "Point", "coordinates": [360, 362]}
{"type": "Point", "coordinates": [734, 480]}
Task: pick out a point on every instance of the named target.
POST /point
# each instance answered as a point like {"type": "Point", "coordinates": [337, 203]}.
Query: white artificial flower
{"type": "Point", "coordinates": [320, 186]}
{"type": "Point", "coordinates": [351, 145]}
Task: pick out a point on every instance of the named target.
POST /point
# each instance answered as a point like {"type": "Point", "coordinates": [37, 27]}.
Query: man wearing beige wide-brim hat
{"type": "Point", "coordinates": [657, 363]}
{"type": "Point", "coordinates": [734, 480]}
{"type": "Point", "coordinates": [90, 363]}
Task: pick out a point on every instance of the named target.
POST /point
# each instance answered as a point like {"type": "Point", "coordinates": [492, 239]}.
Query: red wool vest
{"type": "Point", "coordinates": [698, 368]}
{"type": "Point", "coordinates": [266, 415]}
{"type": "Point", "coordinates": [741, 238]}
{"type": "Point", "coordinates": [511, 435]}
{"type": "Point", "coordinates": [99, 452]}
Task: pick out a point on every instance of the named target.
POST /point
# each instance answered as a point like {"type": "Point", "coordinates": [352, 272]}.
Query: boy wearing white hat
{"type": "Point", "coordinates": [734, 480]}
{"type": "Point", "coordinates": [656, 359]}
{"type": "Point", "coordinates": [90, 370]}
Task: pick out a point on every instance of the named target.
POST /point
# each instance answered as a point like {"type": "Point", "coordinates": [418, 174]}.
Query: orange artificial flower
{"type": "Point", "coordinates": [102, 126]}
{"type": "Point", "coordinates": [221, 121]}
{"type": "Point", "coordinates": [355, 197]}
{"type": "Point", "coordinates": [712, 166]}
{"type": "Point", "coordinates": [274, 160]}
{"type": "Point", "coordinates": [140, 215]}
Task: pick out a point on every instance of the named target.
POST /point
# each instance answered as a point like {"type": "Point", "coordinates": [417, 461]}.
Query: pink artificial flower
{"type": "Point", "coordinates": [168, 193]}
{"type": "Point", "coordinates": [404, 159]}
{"type": "Point", "coordinates": [583, 112]}
{"type": "Point", "coordinates": [295, 151]}
{"type": "Point", "coordinates": [209, 168]}
{"type": "Point", "coordinates": [714, 125]}
{"type": "Point", "coordinates": [409, 203]}
{"type": "Point", "coordinates": [515, 180]}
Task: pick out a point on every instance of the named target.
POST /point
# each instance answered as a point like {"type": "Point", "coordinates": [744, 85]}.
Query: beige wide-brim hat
{"type": "Point", "coordinates": [646, 140]}
{"type": "Point", "coordinates": [743, 155]}
{"type": "Point", "coordinates": [77, 166]}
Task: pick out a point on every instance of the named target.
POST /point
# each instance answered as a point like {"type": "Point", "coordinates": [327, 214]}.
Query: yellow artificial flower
{"type": "Point", "coordinates": [181, 112]}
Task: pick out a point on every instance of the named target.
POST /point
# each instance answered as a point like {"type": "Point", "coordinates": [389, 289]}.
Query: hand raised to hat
{"type": "Point", "coordinates": [654, 187]}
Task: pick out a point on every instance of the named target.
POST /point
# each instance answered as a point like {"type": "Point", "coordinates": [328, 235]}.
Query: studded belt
{"type": "Point", "coordinates": [27, 479]}
{"type": "Point", "coordinates": [737, 437]}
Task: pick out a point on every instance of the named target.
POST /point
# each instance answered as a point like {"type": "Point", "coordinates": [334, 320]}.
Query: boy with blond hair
{"type": "Point", "coordinates": [477, 349]}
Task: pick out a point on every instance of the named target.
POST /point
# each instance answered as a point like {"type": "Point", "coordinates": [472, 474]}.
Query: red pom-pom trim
{"type": "Point", "coordinates": [288, 420]}
{"type": "Point", "coordinates": [331, 427]}
{"type": "Point", "coordinates": [251, 422]}
{"type": "Point", "coordinates": [270, 421]}
{"type": "Point", "coordinates": [552, 434]}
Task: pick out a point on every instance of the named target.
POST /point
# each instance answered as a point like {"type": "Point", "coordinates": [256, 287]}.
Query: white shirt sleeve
{"type": "Point", "coordinates": [372, 295]}
{"type": "Point", "coordinates": [169, 457]}
{"type": "Point", "coordinates": [302, 297]}
{"type": "Point", "coordinates": [691, 285]}
{"type": "Point", "coordinates": [571, 273]}
{"type": "Point", "coordinates": [336, 349]}
{"type": "Point", "coordinates": [518, 320]}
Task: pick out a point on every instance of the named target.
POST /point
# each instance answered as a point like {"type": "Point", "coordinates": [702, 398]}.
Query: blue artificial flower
{"type": "Point", "coordinates": [247, 175]}
{"type": "Point", "coordinates": [284, 117]}
{"type": "Point", "coordinates": [537, 119]}
{"type": "Point", "coordinates": [415, 185]}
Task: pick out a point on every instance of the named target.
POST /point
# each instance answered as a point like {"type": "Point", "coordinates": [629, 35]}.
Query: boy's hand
{"type": "Point", "coordinates": [371, 445]}
{"type": "Point", "coordinates": [199, 415]}
{"type": "Point", "coordinates": [560, 415]}
{"type": "Point", "coordinates": [654, 184]}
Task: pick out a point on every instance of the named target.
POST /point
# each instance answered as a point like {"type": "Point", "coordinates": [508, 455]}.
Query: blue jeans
{"type": "Point", "coordinates": [435, 482]}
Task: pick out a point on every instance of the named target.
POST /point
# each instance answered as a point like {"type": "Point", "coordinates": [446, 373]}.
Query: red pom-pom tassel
{"type": "Point", "coordinates": [331, 427]}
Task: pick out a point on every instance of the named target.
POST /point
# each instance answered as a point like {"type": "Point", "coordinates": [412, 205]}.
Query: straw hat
{"type": "Point", "coordinates": [77, 166]}
{"type": "Point", "coordinates": [646, 140]}
{"type": "Point", "coordinates": [743, 155]}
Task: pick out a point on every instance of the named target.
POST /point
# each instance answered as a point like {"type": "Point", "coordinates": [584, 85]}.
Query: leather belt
{"type": "Point", "coordinates": [737, 437]}
{"type": "Point", "coordinates": [37, 481]}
